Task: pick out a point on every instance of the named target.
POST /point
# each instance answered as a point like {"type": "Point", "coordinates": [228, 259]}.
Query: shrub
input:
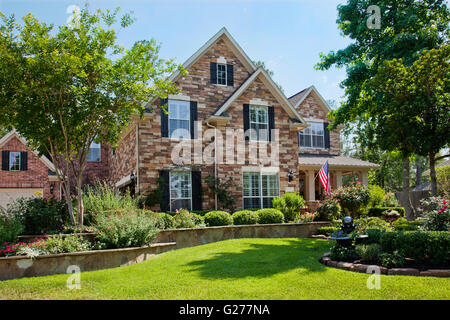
{"type": "Point", "coordinates": [352, 199]}
{"type": "Point", "coordinates": [245, 217]}
{"type": "Point", "coordinates": [165, 221]}
{"type": "Point", "coordinates": [328, 210]}
{"type": "Point", "coordinates": [289, 204]}
{"type": "Point", "coordinates": [443, 179]}
{"type": "Point", "coordinates": [431, 204]}
{"type": "Point", "coordinates": [369, 253]}
{"type": "Point", "coordinates": [364, 224]}
{"type": "Point", "coordinates": [402, 224]}
{"type": "Point", "coordinates": [218, 218]}
{"type": "Point", "coordinates": [306, 217]}
{"type": "Point", "coordinates": [373, 235]}
{"type": "Point", "coordinates": [340, 253]}
{"type": "Point", "coordinates": [124, 230]}
{"type": "Point", "coordinates": [185, 219]}
{"type": "Point", "coordinates": [40, 216]}
{"type": "Point", "coordinates": [438, 219]}
{"type": "Point", "coordinates": [10, 228]}
{"type": "Point", "coordinates": [65, 244]}
{"type": "Point", "coordinates": [378, 211]}
{"type": "Point", "coordinates": [390, 200]}
{"type": "Point", "coordinates": [326, 231]}
{"type": "Point", "coordinates": [268, 216]}
{"type": "Point", "coordinates": [377, 196]}
{"type": "Point", "coordinates": [392, 260]}
{"type": "Point", "coordinates": [101, 199]}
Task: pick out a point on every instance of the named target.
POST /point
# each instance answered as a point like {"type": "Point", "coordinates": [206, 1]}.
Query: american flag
{"type": "Point", "coordinates": [324, 177]}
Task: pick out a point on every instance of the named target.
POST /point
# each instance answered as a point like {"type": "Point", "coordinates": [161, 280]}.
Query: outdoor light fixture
{"type": "Point", "coordinates": [291, 176]}
{"type": "Point", "coordinates": [52, 187]}
{"type": "Point", "coordinates": [132, 178]}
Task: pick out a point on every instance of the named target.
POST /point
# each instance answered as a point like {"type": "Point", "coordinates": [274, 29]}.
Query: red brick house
{"type": "Point", "coordinates": [230, 121]}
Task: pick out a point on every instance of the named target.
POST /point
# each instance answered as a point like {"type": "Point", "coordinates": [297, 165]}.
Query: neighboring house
{"type": "Point", "coordinates": [224, 90]}
{"type": "Point", "coordinates": [272, 144]}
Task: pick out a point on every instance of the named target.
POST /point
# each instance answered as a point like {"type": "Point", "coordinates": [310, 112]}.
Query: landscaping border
{"type": "Point", "coordinates": [362, 268]}
{"type": "Point", "coordinates": [20, 266]}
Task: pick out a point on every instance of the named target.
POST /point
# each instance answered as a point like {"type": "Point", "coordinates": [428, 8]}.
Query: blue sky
{"type": "Point", "coordinates": [287, 34]}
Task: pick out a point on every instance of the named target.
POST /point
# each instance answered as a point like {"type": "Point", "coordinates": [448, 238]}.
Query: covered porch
{"type": "Point", "coordinates": [339, 166]}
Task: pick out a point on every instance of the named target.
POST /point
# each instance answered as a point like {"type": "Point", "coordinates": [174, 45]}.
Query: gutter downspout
{"type": "Point", "coordinates": [215, 160]}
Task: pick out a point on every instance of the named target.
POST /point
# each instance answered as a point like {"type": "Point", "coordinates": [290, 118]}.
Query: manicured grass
{"type": "Point", "coordinates": [234, 269]}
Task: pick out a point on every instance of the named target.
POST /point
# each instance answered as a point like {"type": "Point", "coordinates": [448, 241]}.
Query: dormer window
{"type": "Point", "coordinates": [222, 74]}
{"type": "Point", "coordinates": [313, 136]}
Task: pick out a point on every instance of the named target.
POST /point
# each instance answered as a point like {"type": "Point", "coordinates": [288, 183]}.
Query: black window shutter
{"type": "Point", "coordinates": [164, 204]}
{"type": "Point", "coordinates": [193, 118]}
{"type": "Point", "coordinates": [164, 118]}
{"type": "Point", "coordinates": [213, 72]}
{"type": "Point", "coordinates": [23, 161]}
{"type": "Point", "coordinates": [246, 121]}
{"type": "Point", "coordinates": [196, 190]}
{"type": "Point", "coordinates": [230, 75]}
{"type": "Point", "coordinates": [271, 114]}
{"type": "Point", "coordinates": [326, 135]}
{"type": "Point", "coordinates": [5, 160]}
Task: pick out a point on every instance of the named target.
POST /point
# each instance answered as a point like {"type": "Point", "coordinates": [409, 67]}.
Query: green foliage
{"type": "Point", "coordinates": [443, 179]}
{"type": "Point", "coordinates": [289, 204]}
{"type": "Point", "coordinates": [352, 199]}
{"type": "Point", "coordinates": [390, 200]}
{"type": "Point", "coordinates": [63, 88]}
{"type": "Point", "coordinates": [185, 219]}
{"type": "Point", "coordinates": [306, 217]}
{"type": "Point", "coordinates": [124, 229]}
{"type": "Point", "coordinates": [165, 221]}
{"type": "Point", "coordinates": [435, 213]}
{"type": "Point", "coordinates": [268, 216]}
{"type": "Point", "coordinates": [364, 224]}
{"type": "Point", "coordinates": [402, 224]}
{"type": "Point", "coordinates": [340, 253]}
{"type": "Point", "coordinates": [327, 231]}
{"type": "Point", "coordinates": [377, 195]}
{"type": "Point", "coordinates": [101, 198]}
{"type": "Point", "coordinates": [392, 260]}
{"type": "Point", "coordinates": [244, 217]}
{"type": "Point", "coordinates": [10, 228]}
{"type": "Point", "coordinates": [328, 210]}
{"type": "Point", "coordinates": [369, 253]}
{"type": "Point", "coordinates": [65, 244]}
{"type": "Point", "coordinates": [218, 218]}
{"type": "Point", "coordinates": [379, 211]}
{"type": "Point", "coordinates": [154, 197]}
{"type": "Point", "coordinates": [222, 190]}
{"type": "Point", "coordinates": [374, 235]}
{"type": "Point", "coordinates": [40, 216]}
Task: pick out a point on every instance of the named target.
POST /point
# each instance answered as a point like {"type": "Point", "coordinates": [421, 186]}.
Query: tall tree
{"type": "Point", "coordinates": [405, 28]}
{"type": "Point", "coordinates": [63, 89]}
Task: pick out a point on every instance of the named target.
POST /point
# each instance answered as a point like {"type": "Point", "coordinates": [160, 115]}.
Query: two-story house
{"type": "Point", "coordinates": [230, 121]}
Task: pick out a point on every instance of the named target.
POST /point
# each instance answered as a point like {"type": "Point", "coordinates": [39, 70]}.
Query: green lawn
{"type": "Point", "coordinates": [233, 269]}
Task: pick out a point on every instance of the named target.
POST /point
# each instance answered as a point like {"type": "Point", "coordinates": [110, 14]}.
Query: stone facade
{"type": "Point", "coordinates": [123, 159]}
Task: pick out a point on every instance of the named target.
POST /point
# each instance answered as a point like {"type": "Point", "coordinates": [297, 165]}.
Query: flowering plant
{"type": "Point", "coordinates": [352, 198]}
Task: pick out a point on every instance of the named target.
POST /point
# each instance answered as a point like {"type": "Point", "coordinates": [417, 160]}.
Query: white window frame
{"type": "Point", "coordinates": [266, 108]}
{"type": "Point", "coordinates": [182, 198]}
{"type": "Point", "coordinates": [310, 136]}
{"type": "Point", "coordinates": [226, 74]}
{"type": "Point", "coordinates": [11, 153]}
{"type": "Point", "coordinates": [260, 187]}
{"type": "Point", "coordinates": [100, 153]}
{"type": "Point", "coordinates": [178, 119]}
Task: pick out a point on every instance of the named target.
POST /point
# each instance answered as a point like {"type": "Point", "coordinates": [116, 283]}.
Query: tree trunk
{"type": "Point", "coordinates": [433, 174]}
{"type": "Point", "coordinates": [80, 207]}
{"type": "Point", "coordinates": [418, 172]}
{"type": "Point", "coordinates": [409, 211]}
{"type": "Point", "coordinates": [66, 188]}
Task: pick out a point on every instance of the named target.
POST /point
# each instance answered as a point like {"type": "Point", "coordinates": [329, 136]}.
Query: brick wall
{"type": "Point", "coordinates": [98, 171]}
{"type": "Point", "coordinates": [123, 159]}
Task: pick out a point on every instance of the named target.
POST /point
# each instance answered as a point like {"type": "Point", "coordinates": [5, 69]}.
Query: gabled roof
{"type": "Point", "coordinates": [273, 88]}
{"type": "Point", "coordinates": [299, 97]}
{"type": "Point", "coordinates": [315, 160]}
{"type": "Point", "coordinates": [242, 56]}
{"type": "Point", "coordinates": [442, 164]}
{"type": "Point", "coordinates": [11, 134]}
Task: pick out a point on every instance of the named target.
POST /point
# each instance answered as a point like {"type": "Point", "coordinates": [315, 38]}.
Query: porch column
{"type": "Point", "coordinates": [310, 186]}
{"type": "Point", "coordinates": [338, 179]}
{"type": "Point", "coordinates": [364, 178]}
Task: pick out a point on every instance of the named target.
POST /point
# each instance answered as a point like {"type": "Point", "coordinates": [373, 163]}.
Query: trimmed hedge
{"type": "Point", "coordinates": [218, 218]}
{"type": "Point", "coordinates": [327, 231]}
{"type": "Point", "coordinates": [378, 211]}
{"type": "Point", "coordinates": [268, 216]}
{"type": "Point", "coordinates": [244, 217]}
{"type": "Point", "coordinates": [425, 248]}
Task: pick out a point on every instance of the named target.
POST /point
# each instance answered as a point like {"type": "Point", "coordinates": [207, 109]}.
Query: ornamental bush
{"type": "Point", "coordinates": [436, 214]}
{"type": "Point", "coordinates": [377, 195]}
{"type": "Point", "coordinates": [341, 253]}
{"type": "Point", "coordinates": [328, 210]}
{"type": "Point", "coordinates": [165, 221]}
{"type": "Point", "coordinates": [352, 199]}
{"type": "Point", "coordinates": [10, 228]}
{"type": "Point", "coordinates": [378, 211]}
{"type": "Point", "coordinates": [402, 224]}
{"type": "Point", "coordinates": [289, 204]}
{"type": "Point", "coordinates": [244, 217]}
{"type": "Point", "coordinates": [369, 253]}
{"type": "Point", "coordinates": [364, 224]}
{"type": "Point", "coordinates": [327, 231]}
{"type": "Point", "coordinates": [269, 215]}
{"type": "Point", "coordinates": [218, 218]}
{"type": "Point", "coordinates": [185, 219]}
{"type": "Point", "coordinates": [125, 229]}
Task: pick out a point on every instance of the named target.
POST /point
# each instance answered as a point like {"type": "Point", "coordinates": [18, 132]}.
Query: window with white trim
{"type": "Point", "coordinates": [259, 123]}
{"type": "Point", "coordinates": [222, 74]}
{"type": "Point", "coordinates": [260, 189]}
{"type": "Point", "coordinates": [180, 190]}
{"type": "Point", "coordinates": [14, 161]}
{"type": "Point", "coordinates": [179, 119]}
{"type": "Point", "coordinates": [94, 154]}
{"type": "Point", "coordinates": [313, 136]}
